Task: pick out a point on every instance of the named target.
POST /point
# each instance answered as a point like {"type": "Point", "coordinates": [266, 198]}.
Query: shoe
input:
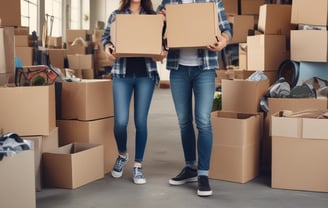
{"type": "Point", "coordinates": [138, 177]}
{"type": "Point", "coordinates": [119, 164]}
{"type": "Point", "coordinates": [204, 188]}
{"type": "Point", "coordinates": [185, 176]}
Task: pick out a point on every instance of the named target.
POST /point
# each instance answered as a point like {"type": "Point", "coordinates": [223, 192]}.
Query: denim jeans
{"type": "Point", "coordinates": [186, 82]}
{"type": "Point", "coordinates": [142, 89]}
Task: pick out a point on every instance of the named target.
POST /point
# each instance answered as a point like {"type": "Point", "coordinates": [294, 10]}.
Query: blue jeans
{"type": "Point", "coordinates": [186, 82]}
{"type": "Point", "coordinates": [142, 89]}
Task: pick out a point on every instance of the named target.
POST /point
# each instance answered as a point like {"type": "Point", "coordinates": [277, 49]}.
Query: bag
{"type": "Point", "coordinates": [36, 75]}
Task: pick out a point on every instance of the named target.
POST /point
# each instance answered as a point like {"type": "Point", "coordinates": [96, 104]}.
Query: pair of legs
{"type": "Point", "coordinates": [190, 84]}
{"type": "Point", "coordinates": [142, 89]}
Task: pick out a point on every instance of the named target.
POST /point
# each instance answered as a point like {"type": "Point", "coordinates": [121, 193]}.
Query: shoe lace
{"type": "Point", "coordinates": [138, 172]}
{"type": "Point", "coordinates": [119, 163]}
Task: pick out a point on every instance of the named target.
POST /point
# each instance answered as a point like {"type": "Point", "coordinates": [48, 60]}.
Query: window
{"type": "Point", "coordinates": [54, 17]}
{"type": "Point", "coordinates": [29, 17]}
{"type": "Point", "coordinates": [75, 14]}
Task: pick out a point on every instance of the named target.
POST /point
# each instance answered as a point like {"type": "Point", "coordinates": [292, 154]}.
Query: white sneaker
{"type": "Point", "coordinates": [119, 164]}
{"type": "Point", "coordinates": [138, 177]}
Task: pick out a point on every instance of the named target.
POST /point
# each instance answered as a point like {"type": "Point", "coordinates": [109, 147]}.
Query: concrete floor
{"type": "Point", "coordinates": [163, 159]}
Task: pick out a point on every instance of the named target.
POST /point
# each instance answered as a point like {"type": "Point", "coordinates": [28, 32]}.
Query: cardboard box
{"type": "Point", "coordinates": [242, 56]}
{"type": "Point", "coordinates": [299, 154]}
{"type": "Point", "coordinates": [42, 144]}
{"type": "Point", "coordinates": [18, 180]}
{"type": "Point", "coordinates": [274, 19]}
{"type": "Point", "coordinates": [181, 34]}
{"type": "Point", "coordinates": [73, 165]}
{"type": "Point", "coordinates": [25, 54]}
{"type": "Point", "coordinates": [308, 70]}
{"type": "Point", "coordinates": [241, 24]}
{"type": "Point", "coordinates": [230, 7]}
{"type": "Point", "coordinates": [251, 6]}
{"type": "Point", "coordinates": [95, 132]}
{"type": "Point", "coordinates": [55, 42]}
{"type": "Point", "coordinates": [7, 47]}
{"type": "Point", "coordinates": [23, 40]}
{"type": "Point", "coordinates": [79, 61]}
{"type": "Point", "coordinates": [260, 49]}
{"type": "Point", "coordinates": [308, 13]}
{"type": "Point", "coordinates": [235, 154]}
{"type": "Point", "coordinates": [76, 49]}
{"type": "Point", "coordinates": [243, 96]}
{"type": "Point", "coordinates": [309, 45]}
{"type": "Point", "coordinates": [10, 13]}
{"type": "Point", "coordinates": [28, 110]}
{"type": "Point", "coordinates": [276, 105]}
{"type": "Point", "coordinates": [72, 34]}
{"type": "Point", "coordinates": [137, 35]}
{"type": "Point", "coordinates": [87, 100]}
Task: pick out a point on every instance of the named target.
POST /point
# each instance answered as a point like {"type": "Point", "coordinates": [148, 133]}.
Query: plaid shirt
{"type": "Point", "coordinates": [118, 68]}
{"type": "Point", "coordinates": [209, 58]}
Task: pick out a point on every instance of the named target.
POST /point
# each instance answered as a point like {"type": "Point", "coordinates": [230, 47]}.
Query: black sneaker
{"type": "Point", "coordinates": [204, 188]}
{"type": "Point", "coordinates": [186, 175]}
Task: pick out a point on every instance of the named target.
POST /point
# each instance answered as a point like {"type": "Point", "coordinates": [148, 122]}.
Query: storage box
{"type": "Point", "coordinates": [25, 54]}
{"type": "Point", "coordinates": [230, 7]}
{"type": "Point", "coordinates": [266, 52]}
{"type": "Point", "coordinates": [276, 105]}
{"type": "Point", "coordinates": [250, 6]}
{"type": "Point", "coordinates": [73, 165]}
{"type": "Point", "coordinates": [241, 24]}
{"type": "Point", "coordinates": [10, 13]}
{"type": "Point", "coordinates": [309, 13]}
{"type": "Point", "coordinates": [42, 144]}
{"type": "Point", "coordinates": [72, 34]}
{"type": "Point", "coordinates": [309, 45]}
{"type": "Point", "coordinates": [28, 110]}
{"type": "Point", "coordinates": [243, 96]}
{"type": "Point", "coordinates": [97, 132]}
{"type": "Point", "coordinates": [299, 154]}
{"type": "Point", "coordinates": [79, 61]}
{"type": "Point", "coordinates": [87, 100]}
{"type": "Point", "coordinates": [137, 35]}
{"type": "Point", "coordinates": [235, 154]}
{"type": "Point", "coordinates": [18, 181]}
{"type": "Point", "coordinates": [181, 34]}
{"type": "Point", "coordinates": [274, 19]}
{"type": "Point", "coordinates": [7, 50]}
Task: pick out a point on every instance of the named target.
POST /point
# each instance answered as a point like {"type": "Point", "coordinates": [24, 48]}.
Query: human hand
{"type": "Point", "coordinates": [161, 57]}
{"type": "Point", "coordinates": [109, 52]}
{"type": "Point", "coordinates": [222, 42]}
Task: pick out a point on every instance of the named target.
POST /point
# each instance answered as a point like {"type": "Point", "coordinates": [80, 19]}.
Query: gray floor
{"type": "Point", "coordinates": [163, 159]}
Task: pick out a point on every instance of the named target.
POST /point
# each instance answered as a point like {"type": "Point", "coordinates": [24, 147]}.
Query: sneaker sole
{"type": "Point", "coordinates": [139, 181]}
{"type": "Point", "coordinates": [204, 193]}
{"type": "Point", "coordinates": [116, 174]}
{"type": "Point", "coordinates": [177, 183]}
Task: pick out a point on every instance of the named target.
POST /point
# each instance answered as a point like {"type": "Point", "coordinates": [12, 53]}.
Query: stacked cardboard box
{"type": "Point", "coordinates": [86, 116]}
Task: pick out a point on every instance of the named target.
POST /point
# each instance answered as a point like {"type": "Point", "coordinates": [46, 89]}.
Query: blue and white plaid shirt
{"type": "Point", "coordinates": [118, 68]}
{"type": "Point", "coordinates": [209, 58]}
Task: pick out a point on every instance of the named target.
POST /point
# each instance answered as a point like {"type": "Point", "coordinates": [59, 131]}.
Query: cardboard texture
{"type": "Point", "coordinates": [7, 50]}
{"type": "Point", "coordinates": [18, 180]}
{"type": "Point", "coordinates": [274, 19]}
{"type": "Point", "coordinates": [230, 7]}
{"type": "Point", "coordinates": [241, 24]}
{"type": "Point", "coordinates": [72, 34]}
{"type": "Point", "coordinates": [235, 154]}
{"type": "Point", "coordinates": [303, 50]}
{"type": "Point", "coordinates": [306, 12]}
{"type": "Point", "coordinates": [250, 6]}
{"type": "Point", "coordinates": [276, 105]}
{"type": "Point", "coordinates": [299, 154]}
{"type": "Point", "coordinates": [79, 61]}
{"type": "Point", "coordinates": [87, 100]}
{"type": "Point", "coordinates": [242, 96]}
{"type": "Point", "coordinates": [25, 54]}
{"type": "Point", "coordinates": [137, 35]}
{"type": "Point", "coordinates": [260, 49]}
{"type": "Point", "coordinates": [42, 144]}
{"type": "Point", "coordinates": [181, 34]}
{"type": "Point", "coordinates": [79, 164]}
{"type": "Point", "coordinates": [97, 132]}
{"type": "Point", "coordinates": [28, 110]}
{"type": "Point", "coordinates": [10, 13]}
